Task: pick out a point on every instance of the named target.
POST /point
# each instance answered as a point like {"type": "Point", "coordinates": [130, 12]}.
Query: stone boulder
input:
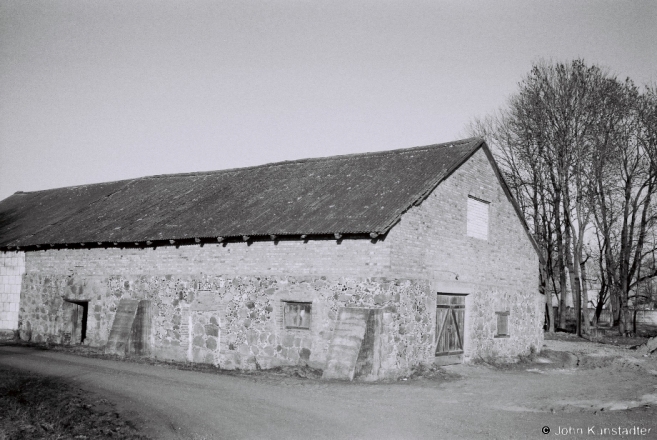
{"type": "Point", "coordinates": [649, 347]}
{"type": "Point", "coordinates": [25, 332]}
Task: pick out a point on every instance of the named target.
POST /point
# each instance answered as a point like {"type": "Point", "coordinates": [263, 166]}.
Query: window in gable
{"type": "Point", "coordinates": [502, 324]}
{"type": "Point", "coordinates": [477, 218]}
{"type": "Point", "coordinates": [297, 314]}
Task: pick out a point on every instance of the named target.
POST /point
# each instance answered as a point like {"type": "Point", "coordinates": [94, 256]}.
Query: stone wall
{"type": "Point", "coordinates": [12, 267]}
{"type": "Point", "coordinates": [648, 317]}
{"type": "Point", "coordinates": [498, 273]}
{"type": "Point", "coordinates": [236, 322]}
{"type": "Point", "coordinates": [525, 323]}
{"type": "Point", "coordinates": [222, 303]}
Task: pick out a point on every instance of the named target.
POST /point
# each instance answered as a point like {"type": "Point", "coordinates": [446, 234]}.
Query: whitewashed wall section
{"type": "Point", "coordinates": [12, 268]}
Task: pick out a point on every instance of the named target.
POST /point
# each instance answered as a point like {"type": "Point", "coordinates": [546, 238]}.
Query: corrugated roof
{"type": "Point", "coordinates": [359, 193]}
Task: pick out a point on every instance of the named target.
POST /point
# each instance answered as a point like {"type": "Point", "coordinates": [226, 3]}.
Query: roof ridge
{"type": "Point", "coordinates": [82, 185]}
{"type": "Point", "coordinates": [270, 164]}
{"type": "Point", "coordinates": [318, 159]}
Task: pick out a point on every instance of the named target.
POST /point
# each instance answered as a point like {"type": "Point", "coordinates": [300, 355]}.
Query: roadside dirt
{"type": "Point", "coordinates": [38, 407]}
{"type": "Point", "coordinates": [577, 375]}
{"type": "Point", "coordinates": [572, 383]}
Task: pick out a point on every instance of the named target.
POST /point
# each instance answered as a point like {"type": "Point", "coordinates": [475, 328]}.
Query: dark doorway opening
{"type": "Point", "coordinates": [78, 322]}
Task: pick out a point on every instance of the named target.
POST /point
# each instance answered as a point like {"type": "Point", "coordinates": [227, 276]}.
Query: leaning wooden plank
{"type": "Point", "coordinates": [119, 337]}
{"type": "Point", "coordinates": [346, 343]}
{"type": "Point", "coordinates": [141, 329]}
{"type": "Point", "coordinates": [369, 357]}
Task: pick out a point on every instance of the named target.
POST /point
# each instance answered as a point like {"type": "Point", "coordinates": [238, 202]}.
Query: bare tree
{"type": "Point", "coordinates": [577, 148]}
{"type": "Point", "coordinates": [625, 196]}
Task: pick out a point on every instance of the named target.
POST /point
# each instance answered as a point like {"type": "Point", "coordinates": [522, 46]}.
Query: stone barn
{"type": "Point", "coordinates": [362, 265]}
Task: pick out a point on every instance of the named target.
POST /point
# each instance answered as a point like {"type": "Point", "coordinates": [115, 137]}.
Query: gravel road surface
{"type": "Point", "coordinates": [485, 403]}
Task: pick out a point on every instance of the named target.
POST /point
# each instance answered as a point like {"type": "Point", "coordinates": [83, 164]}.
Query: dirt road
{"type": "Point", "coordinates": [484, 403]}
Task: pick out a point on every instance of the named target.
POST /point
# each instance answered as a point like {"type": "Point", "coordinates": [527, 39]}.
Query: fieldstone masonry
{"type": "Point", "coordinates": [223, 303]}
{"type": "Point", "coordinates": [12, 267]}
{"type": "Point", "coordinates": [243, 330]}
{"type": "Point", "coordinates": [525, 322]}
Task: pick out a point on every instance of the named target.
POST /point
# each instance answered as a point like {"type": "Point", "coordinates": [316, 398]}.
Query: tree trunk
{"type": "Point", "coordinates": [561, 267]}
{"type": "Point", "coordinates": [550, 311]}
{"type": "Point", "coordinates": [598, 311]}
{"type": "Point", "coordinates": [585, 297]}
{"type": "Point", "coordinates": [623, 325]}
{"type": "Point", "coordinates": [573, 272]}
{"type": "Point", "coordinates": [613, 308]}
{"type": "Point", "coordinates": [547, 296]}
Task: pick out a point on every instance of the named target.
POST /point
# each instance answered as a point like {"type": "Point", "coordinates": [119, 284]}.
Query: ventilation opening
{"type": "Point", "coordinates": [79, 311]}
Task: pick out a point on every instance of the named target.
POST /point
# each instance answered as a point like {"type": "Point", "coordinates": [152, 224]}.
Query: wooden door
{"type": "Point", "coordinates": [450, 316]}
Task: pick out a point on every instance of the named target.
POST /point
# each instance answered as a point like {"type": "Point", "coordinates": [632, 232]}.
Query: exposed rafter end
{"type": "Point", "coordinates": [197, 240]}
{"type": "Point", "coordinates": [337, 236]}
{"type": "Point", "coordinates": [304, 236]}
{"type": "Point", "coordinates": [148, 243]}
{"type": "Point", "coordinates": [246, 237]}
{"type": "Point", "coordinates": [373, 235]}
{"type": "Point", "coordinates": [172, 241]}
{"type": "Point", "coordinates": [115, 244]}
{"type": "Point", "coordinates": [220, 239]}
{"type": "Point", "coordinates": [272, 236]}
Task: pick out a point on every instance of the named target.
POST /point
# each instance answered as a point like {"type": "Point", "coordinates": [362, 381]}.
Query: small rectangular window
{"type": "Point", "coordinates": [502, 324]}
{"type": "Point", "coordinates": [477, 218]}
{"type": "Point", "coordinates": [297, 314]}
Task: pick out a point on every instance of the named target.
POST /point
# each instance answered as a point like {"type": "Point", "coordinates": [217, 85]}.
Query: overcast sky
{"type": "Point", "coordinates": [94, 91]}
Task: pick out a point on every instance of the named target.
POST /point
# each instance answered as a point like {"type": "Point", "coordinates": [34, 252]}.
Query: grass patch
{"type": "Point", "coordinates": [38, 407]}
{"type": "Point", "coordinates": [430, 372]}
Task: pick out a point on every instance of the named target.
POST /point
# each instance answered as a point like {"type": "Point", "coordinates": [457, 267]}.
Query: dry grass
{"type": "Point", "coordinates": [431, 372]}
{"type": "Point", "coordinates": [36, 407]}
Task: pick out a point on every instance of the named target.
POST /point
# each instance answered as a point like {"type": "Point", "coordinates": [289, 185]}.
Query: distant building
{"type": "Point", "coordinates": [361, 265]}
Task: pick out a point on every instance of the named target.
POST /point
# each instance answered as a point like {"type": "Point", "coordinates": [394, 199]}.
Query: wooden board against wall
{"type": "Point", "coordinates": [140, 335]}
{"type": "Point", "coordinates": [124, 317]}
